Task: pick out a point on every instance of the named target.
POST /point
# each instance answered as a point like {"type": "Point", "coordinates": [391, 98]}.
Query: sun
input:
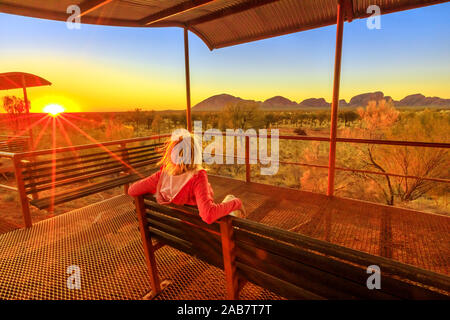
{"type": "Point", "coordinates": [53, 109]}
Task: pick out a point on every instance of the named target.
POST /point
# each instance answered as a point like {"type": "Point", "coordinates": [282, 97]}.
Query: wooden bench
{"type": "Point", "coordinates": [290, 264]}
{"type": "Point", "coordinates": [67, 175]}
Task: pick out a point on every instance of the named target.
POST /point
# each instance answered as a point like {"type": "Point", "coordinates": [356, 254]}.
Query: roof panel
{"type": "Point", "coordinates": [17, 80]}
{"type": "Point", "coordinates": [219, 23]}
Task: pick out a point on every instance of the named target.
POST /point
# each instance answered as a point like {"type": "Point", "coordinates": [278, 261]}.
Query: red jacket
{"type": "Point", "coordinates": [197, 191]}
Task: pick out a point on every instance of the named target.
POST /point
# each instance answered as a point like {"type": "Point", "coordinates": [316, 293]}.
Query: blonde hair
{"type": "Point", "coordinates": [180, 155]}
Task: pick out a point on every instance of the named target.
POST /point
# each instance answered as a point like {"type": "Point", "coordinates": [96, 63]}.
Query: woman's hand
{"type": "Point", "coordinates": [240, 213]}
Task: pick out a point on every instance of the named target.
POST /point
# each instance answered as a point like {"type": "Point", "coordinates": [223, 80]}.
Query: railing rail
{"type": "Point", "coordinates": [247, 158]}
{"type": "Point", "coordinates": [349, 140]}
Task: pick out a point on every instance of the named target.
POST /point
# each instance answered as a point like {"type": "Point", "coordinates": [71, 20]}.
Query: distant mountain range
{"type": "Point", "coordinates": [218, 102]}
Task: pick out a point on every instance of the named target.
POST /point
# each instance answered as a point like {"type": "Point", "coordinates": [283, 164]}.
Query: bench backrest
{"type": "Point", "coordinates": [289, 264]}
{"type": "Point", "coordinates": [71, 167]}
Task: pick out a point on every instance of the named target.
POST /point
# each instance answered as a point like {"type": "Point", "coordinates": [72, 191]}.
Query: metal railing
{"type": "Point", "coordinates": [17, 158]}
{"type": "Point", "coordinates": [442, 145]}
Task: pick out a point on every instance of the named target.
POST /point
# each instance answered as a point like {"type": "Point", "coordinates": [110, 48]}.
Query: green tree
{"type": "Point", "coordinates": [150, 116]}
{"type": "Point", "coordinates": [15, 107]}
{"type": "Point", "coordinates": [157, 123]}
{"type": "Point", "coordinates": [242, 115]}
{"type": "Point", "coordinates": [348, 116]}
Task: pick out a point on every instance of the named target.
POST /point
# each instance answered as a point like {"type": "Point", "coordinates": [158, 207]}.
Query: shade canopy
{"type": "Point", "coordinates": [18, 80]}
{"type": "Point", "coordinates": [219, 23]}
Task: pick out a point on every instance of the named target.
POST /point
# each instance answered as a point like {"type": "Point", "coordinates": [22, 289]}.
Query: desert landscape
{"type": "Point", "coordinates": [369, 115]}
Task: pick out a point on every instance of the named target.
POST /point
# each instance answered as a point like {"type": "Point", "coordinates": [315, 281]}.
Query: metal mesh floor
{"type": "Point", "coordinates": [412, 237]}
{"type": "Point", "coordinates": [103, 241]}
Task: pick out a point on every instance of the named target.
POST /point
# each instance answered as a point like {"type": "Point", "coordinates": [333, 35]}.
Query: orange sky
{"type": "Point", "coordinates": [118, 69]}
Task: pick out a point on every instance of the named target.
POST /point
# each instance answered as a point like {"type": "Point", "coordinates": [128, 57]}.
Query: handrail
{"type": "Point", "coordinates": [397, 143]}
{"type": "Point", "coordinates": [347, 140]}
{"type": "Point", "coordinates": [282, 137]}
{"type": "Point", "coordinates": [343, 169]}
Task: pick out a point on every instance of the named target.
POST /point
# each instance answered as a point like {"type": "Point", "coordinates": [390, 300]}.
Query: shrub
{"type": "Point", "coordinates": [300, 132]}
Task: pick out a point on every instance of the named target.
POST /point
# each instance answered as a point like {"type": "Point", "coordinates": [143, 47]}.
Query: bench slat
{"type": "Point", "coordinates": [313, 279]}
{"type": "Point", "coordinates": [329, 264]}
{"type": "Point", "coordinates": [189, 214]}
{"type": "Point", "coordinates": [278, 286]}
{"type": "Point", "coordinates": [387, 265]}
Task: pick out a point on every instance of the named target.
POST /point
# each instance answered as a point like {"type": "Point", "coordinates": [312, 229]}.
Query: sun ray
{"type": "Point", "coordinates": [52, 190]}
{"type": "Point", "coordinates": [71, 115]}
{"type": "Point", "coordinates": [41, 133]}
{"type": "Point", "coordinates": [62, 129]}
{"type": "Point", "coordinates": [102, 146]}
{"type": "Point", "coordinates": [26, 130]}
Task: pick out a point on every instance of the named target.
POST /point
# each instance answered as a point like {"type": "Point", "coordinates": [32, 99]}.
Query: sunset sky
{"type": "Point", "coordinates": [101, 68]}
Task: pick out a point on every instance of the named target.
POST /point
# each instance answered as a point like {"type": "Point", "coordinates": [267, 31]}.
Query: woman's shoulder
{"type": "Point", "coordinates": [200, 174]}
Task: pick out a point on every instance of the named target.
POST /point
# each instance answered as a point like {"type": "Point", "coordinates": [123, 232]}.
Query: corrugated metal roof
{"type": "Point", "coordinates": [219, 23]}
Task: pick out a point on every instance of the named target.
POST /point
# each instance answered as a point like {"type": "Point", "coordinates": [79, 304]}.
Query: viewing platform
{"type": "Point", "coordinates": [103, 241]}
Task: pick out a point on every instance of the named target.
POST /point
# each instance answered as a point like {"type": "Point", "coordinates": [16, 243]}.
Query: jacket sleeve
{"type": "Point", "coordinates": [144, 186]}
{"type": "Point", "coordinates": [210, 211]}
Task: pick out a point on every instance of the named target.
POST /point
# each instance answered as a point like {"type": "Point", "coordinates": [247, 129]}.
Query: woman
{"type": "Point", "coordinates": [182, 180]}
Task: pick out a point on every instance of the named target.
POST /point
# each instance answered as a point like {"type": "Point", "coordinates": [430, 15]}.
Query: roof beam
{"type": "Point", "coordinates": [88, 6]}
{"type": "Point", "coordinates": [251, 4]}
{"type": "Point", "coordinates": [172, 11]}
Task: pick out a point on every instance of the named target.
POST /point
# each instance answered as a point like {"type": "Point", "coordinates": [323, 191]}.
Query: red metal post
{"type": "Point", "coordinates": [188, 80]}
{"type": "Point", "coordinates": [335, 102]}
